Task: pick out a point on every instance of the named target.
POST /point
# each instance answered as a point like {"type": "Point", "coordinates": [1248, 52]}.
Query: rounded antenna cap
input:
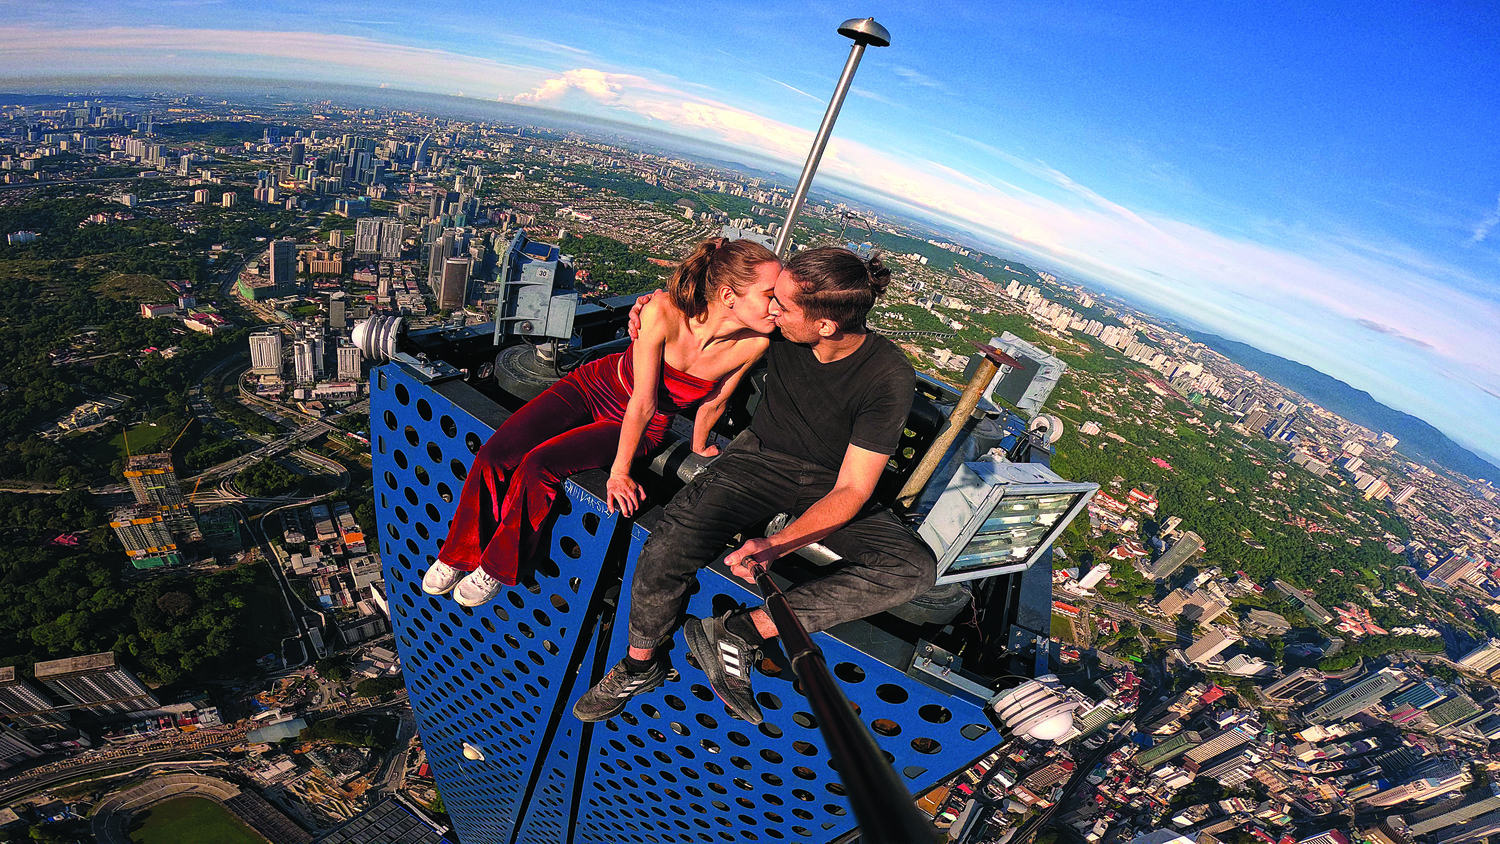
{"type": "Point", "coordinates": [865, 31]}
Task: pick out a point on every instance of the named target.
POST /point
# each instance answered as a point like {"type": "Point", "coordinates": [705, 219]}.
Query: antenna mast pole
{"type": "Point", "coordinates": [863, 31]}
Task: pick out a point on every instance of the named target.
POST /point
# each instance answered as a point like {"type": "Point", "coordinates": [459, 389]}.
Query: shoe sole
{"type": "Point", "coordinates": [706, 651]}
{"type": "Point", "coordinates": [671, 674]}
{"type": "Point", "coordinates": [461, 602]}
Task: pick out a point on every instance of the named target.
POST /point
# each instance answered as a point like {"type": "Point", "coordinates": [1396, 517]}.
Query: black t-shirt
{"type": "Point", "coordinates": [815, 410]}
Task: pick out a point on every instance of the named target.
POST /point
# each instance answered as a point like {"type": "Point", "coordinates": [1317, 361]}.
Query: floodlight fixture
{"type": "Point", "coordinates": [996, 517]}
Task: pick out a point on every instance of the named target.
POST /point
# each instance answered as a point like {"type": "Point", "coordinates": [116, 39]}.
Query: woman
{"type": "Point", "coordinates": [696, 341]}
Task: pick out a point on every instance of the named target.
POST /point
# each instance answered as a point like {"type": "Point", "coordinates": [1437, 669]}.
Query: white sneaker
{"type": "Point", "coordinates": [477, 589]}
{"type": "Point", "coordinates": [441, 578]}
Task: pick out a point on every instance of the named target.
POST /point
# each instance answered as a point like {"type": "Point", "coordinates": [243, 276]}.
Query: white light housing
{"type": "Point", "coordinates": [997, 518]}
{"type": "Point", "coordinates": [376, 337]}
{"type": "Point", "coordinates": [473, 753]}
{"type": "Point", "coordinates": [1037, 710]}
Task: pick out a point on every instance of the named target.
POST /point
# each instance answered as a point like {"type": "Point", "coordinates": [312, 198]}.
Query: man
{"type": "Point", "coordinates": [835, 403]}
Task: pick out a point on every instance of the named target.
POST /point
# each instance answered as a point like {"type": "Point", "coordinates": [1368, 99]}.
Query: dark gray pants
{"type": "Point", "coordinates": [885, 563]}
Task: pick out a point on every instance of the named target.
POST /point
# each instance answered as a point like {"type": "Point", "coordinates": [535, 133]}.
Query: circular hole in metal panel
{"type": "Point", "coordinates": [805, 719]}
{"type": "Point", "coordinates": [805, 748]}
{"type": "Point", "coordinates": [458, 469]}
{"type": "Point", "coordinates": [885, 727]}
{"type": "Point", "coordinates": [445, 492]}
{"type": "Point", "coordinates": [771, 756]}
{"type": "Point", "coordinates": [411, 435]}
{"type": "Point", "coordinates": [400, 457]}
{"type": "Point", "coordinates": [804, 773]}
{"type": "Point", "coordinates": [450, 428]}
{"type": "Point", "coordinates": [770, 730]}
{"type": "Point", "coordinates": [926, 746]}
{"type": "Point", "coordinates": [422, 477]}
{"type": "Point", "coordinates": [434, 453]}
{"type": "Point", "coordinates": [390, 419]}
{"type": "Point", "coordinates": [424, 410]}
{"type": "Point", "coordinates": [849, 672]}
{"type": "Point", "coordinates": [403, 395]}
{"type": "Point", "coordinates": [891, 693]}
{"type": "Point", "coordinates": [974, 731]}
{"type": "Point", "coordinates": [932, 713]}
{"type": "Point", "coordinates": [472, 442]}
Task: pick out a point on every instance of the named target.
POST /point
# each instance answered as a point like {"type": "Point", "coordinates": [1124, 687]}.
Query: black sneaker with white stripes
{"type": "Point", "coordinates": [728, 660]}
{"type": "Point", "coordinates": [609, 696]}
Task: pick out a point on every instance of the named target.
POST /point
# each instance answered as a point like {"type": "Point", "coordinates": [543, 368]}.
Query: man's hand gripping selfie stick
{"type": "Point", "coordinates": [881, 802]}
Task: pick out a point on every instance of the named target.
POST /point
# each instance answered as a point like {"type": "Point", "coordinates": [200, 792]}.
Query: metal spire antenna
{"type": "Point", "coordinates": [863, 31]}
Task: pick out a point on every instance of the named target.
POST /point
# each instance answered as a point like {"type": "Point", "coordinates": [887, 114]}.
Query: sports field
{"type": "Point", "coordinates": [190, 820]}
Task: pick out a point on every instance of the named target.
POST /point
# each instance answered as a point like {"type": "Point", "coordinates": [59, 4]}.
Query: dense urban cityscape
{"type": "Point", "coordinates": [1269, 624]}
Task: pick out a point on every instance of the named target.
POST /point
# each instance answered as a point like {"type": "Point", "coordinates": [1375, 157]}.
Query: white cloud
{"type": "Point", "coordinates": [1313, 296]}
{"type": "Point", "coordinates": [1483, 228]}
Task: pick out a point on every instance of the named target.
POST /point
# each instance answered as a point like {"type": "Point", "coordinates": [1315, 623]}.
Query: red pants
{"type": "Point", "coordinates": [516, 475]}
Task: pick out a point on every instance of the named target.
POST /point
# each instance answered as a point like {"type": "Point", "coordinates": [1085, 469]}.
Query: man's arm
{"type": "Point", "coordinates": [858, 475]}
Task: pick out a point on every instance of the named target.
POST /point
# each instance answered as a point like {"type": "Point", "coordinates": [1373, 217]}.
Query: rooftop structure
{"type": "Point", "coordinates": [97, 682]}
{"type": "Point", "coordinates": [1183, 550]}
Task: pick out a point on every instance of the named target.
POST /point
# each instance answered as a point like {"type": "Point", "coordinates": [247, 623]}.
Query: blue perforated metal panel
{"type": "Point", "coordinates": [675, 766]}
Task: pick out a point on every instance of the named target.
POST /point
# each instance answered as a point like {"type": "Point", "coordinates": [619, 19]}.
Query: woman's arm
{"type": "Point", "coordinates": [713, 407]}
{"type": "Point", "coordinates": [646, 356]}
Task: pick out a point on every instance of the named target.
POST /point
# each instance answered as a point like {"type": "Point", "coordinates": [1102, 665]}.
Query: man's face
{"type": "Point", "coordinates": [790, 318]}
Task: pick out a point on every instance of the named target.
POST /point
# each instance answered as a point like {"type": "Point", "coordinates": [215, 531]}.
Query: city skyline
{"type": "Point", "coordinates": [1325, 199]}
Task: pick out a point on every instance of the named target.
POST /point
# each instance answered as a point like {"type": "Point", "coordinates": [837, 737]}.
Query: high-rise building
{"type": "Point", "coordinates": [1211, 645]}
{"type": "Point", "coordinates": [1183, 550]}
{"type": "Point", "coordinates": [283, 261]}
{"type": "Point", "coordinates": [1457, 567]}
{"type": "Point", "coordinates": [265, 352]}
{"type": "Point", "coordinates": [336, 319]}
{"type": "Point", "coordinates": [96, 682]}
{"type": "Point", "coordinates": [303, 354]}
{"type": "Point", "coordinates": [1234, 737]}
{"type": "Point", "coordinates": [1482, 659]}
{"type": "Point", "coordinates": [22, 704]}
{"type": "Point", "coordinates": [1298, 687]}
{"type": "Point", "coordinates": [367, 236]}
{"type": "Point", "coordinates": [1169, 749]}
{"type": "Point", "coordinates": [1428, 780]}
{"type": "Point", "coordinates": [1440, 816]}
{"type": "Point", "coordinates": [299, 153]}
{"type": "Point", "coordinates": [351, 363]}
{"type": "Point", "coordinates": [1405, 494]}
{"type": "Point", "coordinates": [15, 749]}
{"type": "Point", "coordinates": [453, 291]}
{"type": "Point", "coordinates": [442, 250]}
{"type": "Point", "coordinates": [392, 235]}
{"type": "Point", "coordinates": [144, 533]}
{"type": "Point", "coordinates": [1094, 577]}
{"type": "Point", "coordinates": [153, 481]}
{"type": "Point", "coordinates": [336, 239]}
{"type": "Point", "coordinates": [1357, 697]}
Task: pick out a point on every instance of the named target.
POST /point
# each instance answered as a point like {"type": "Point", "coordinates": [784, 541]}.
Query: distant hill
{"type": "Point", "coordinates": [1417, 438]}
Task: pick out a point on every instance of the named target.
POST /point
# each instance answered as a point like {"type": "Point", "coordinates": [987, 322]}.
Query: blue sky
{"type": "Point", "coordinates": [1321, 181]}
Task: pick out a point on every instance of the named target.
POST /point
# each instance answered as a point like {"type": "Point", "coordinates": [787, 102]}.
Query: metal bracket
{"type": "Point", "coordinates": [941, 670]}
{"type": "Point", "coordinates": [427, 371]}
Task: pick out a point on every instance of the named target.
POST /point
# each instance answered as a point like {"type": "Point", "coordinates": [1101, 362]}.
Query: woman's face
{"type": "Point", "coordinates": [755, 307]}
